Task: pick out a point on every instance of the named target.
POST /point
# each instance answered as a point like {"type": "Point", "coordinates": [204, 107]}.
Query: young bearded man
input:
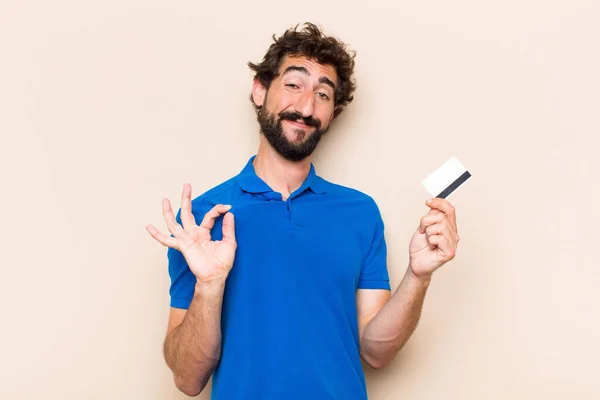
{"type": "Point", "coordinates": [283, 302]}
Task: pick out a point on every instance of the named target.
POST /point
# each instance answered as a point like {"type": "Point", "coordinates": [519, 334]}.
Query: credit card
{"type": "Point", "coordinates": [446, 179]}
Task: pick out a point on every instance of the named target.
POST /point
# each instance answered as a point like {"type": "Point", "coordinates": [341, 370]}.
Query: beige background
{"type": "Point", "coordinates": [106, 107]}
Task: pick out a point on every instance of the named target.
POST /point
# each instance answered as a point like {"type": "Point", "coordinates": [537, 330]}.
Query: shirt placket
{"type": "Point", "coordinates": [288, 209]}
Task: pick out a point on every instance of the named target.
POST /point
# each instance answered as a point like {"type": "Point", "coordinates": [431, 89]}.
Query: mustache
{"type": "Point", "coordinates": [295, 116]}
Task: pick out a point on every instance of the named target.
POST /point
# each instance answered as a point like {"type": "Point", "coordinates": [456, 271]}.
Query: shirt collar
{"type": "Point", "coordinates": [252, 183]}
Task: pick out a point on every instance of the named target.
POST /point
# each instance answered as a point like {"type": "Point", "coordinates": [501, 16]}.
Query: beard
{"type": "Point", "coordinates": [272, 129]}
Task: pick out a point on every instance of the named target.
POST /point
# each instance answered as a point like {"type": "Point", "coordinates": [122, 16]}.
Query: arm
{"type": "Point", "coordinates": [385, 324]}
{"type": "Point", "coordinates": [192, 348]}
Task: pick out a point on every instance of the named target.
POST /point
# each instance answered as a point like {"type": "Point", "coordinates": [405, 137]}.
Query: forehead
{"type": "Point", "coordinates": [314, 68]}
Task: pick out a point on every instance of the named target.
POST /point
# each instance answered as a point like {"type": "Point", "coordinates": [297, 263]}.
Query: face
{"type": "Point", "coordinates": [298, 107]}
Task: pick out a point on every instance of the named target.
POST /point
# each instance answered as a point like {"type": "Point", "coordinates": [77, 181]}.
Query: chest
{"type": "Point", "coordinates": [293, 245]}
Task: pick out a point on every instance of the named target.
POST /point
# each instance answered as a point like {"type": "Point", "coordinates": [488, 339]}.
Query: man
{"type": "Point", "coordinates": [284, 304]}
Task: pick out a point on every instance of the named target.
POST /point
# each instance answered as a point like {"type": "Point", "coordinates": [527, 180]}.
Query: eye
{"type": "Point", "coordinates": [323, 96]}
{"type": "Point", "coordinates": [292, 86]}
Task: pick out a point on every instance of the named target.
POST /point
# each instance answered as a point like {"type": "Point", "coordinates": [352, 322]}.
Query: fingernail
{"type": "Point", "coordinates": [429, 201]}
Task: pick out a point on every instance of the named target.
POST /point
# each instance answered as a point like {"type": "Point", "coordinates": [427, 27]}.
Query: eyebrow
{"type": "Point", "coordinates": [322, 79]}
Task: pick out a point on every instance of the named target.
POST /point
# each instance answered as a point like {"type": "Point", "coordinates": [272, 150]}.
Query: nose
{"type": "Point", "coordinates": [305, 104]}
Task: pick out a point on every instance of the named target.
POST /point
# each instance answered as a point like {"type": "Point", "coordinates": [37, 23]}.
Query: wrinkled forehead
{"type": "Point", "coordinates": [297, 63]}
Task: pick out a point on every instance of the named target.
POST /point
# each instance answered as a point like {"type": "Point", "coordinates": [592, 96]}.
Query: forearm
{"type": "Point", "coordinates": [193, 349]}
{"type": "Point", "coordinates": [385, 334]}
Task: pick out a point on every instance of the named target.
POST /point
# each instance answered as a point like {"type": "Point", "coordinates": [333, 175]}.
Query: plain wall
{"type": "Point", "coordinates": [107, 107]}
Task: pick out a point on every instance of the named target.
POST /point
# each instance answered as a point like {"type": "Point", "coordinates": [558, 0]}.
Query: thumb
{"type": "Point", "coordinates": [229, 229]}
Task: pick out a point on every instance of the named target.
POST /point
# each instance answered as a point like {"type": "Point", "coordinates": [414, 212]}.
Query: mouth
{"type": "Point", "coordinates": [297, 124]}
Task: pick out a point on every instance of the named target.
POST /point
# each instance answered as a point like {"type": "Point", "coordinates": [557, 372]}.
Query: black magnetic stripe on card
{"type": "Point", "coordinates": [454, 185]}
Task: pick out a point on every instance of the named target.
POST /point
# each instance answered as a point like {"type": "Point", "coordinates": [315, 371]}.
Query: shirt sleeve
{"type": "Point", "coordinates": [374, 273]}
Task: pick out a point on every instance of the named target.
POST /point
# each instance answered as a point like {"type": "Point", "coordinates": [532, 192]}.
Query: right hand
{"type": "Point", "coordinates": [208, 260]}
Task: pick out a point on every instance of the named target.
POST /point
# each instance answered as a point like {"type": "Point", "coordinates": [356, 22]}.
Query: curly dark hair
{"type": "Point", "coordinates": [313, 44]}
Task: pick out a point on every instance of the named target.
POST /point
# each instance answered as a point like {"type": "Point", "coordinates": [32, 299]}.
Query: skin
{"type": "Point", "coordinates": [303, 93]}
{"type": "Point", "coordinates": [192, 346]}
{"type": "Point", "coordinates": [387, 324]}
{"type": "Point", "coordinates": [193, 341]}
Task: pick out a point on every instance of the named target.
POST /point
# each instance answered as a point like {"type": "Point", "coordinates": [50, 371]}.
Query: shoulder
{"type": "Point", "coordinates": [222, 193]}
{"type": "Point", "coordinates": [356, 199]}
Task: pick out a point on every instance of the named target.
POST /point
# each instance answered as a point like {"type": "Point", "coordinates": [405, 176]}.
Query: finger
{"type": "Point", "coordinates": [433, 240]}
{"type": "Point", "coordinates": [444, 206]}
{"type": "Point", "coordinates": [443, 244]}
{"type": "Point", "coordinates": [187, 218]}
{"type": "Point", "coordinates": [443, 228]}
{"type": "Point", "coordinates": [172, 224]}
{"type": "Point", "coordinates": [431, 211]}
{"type": "Point", "coordinates": [430, 219]}
{"type": "Point", "coordinates": [209, 218]}
{"type": "Point", "coordinates": [439, 241]}
{"type": "Point", "coordinates": [437, 229]}
{"type": "Point", "coordinates": [229, 229]}
{"type": "Point", "coordinates": [165, 241]}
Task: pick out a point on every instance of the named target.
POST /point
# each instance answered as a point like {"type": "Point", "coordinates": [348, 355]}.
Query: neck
{"type": "Point", "coordinates": [283, 176]}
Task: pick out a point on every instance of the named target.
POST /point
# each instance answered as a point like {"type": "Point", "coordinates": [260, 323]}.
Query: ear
{"type": "Point", "coordinates": [332, 116]}
{"type": "Point", "coordinates": [258, 93]}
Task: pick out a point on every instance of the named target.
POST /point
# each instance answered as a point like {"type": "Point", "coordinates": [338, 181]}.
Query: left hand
{"type": "Point", "coordinates": [435, 241]}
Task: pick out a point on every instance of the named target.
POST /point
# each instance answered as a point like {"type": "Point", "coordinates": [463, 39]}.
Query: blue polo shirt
{"type": "Point", "coordinates": [289, 319]}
